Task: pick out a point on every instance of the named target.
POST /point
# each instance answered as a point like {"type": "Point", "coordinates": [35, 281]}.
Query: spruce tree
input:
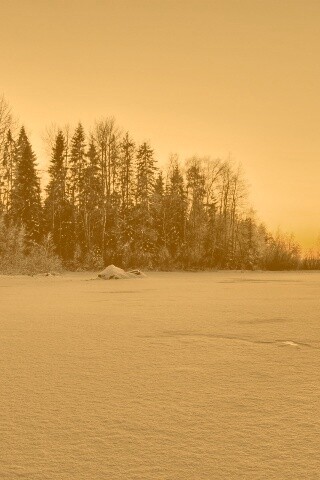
{"type": "Point", "coordinates": [197, 221]}
{"type": "Point", "coordinates": [57, 211]}
{"type": "Point", "coordinates": [91, 206]}
{"type": "Point", "coordinates": [77, 166]}
{"type": "Point", "coordinates": [146, 168]}
{"type": "Point", "coordinates": [26, 201]}
{"type": "Point", "coordinates": [144, 232]}
{"type": "Point", "coordinates": [127, 148]}
{"type": "Point", "coordinates": [114, 169]}
{"type": "Point", "coordinates": [176, 212]}
{"type": "Point", "coordinates": [158, 210]}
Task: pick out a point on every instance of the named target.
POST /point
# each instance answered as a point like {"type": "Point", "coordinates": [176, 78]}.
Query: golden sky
{"type": "Point", "coordinates": [193, 76]}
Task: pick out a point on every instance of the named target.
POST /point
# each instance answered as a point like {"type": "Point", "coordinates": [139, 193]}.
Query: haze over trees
{"type": "Point", "coordinates": [109, 201]}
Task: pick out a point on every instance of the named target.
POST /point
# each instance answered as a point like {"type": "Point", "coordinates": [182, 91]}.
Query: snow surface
{"type": "Point", "coordinates": [181, 376]}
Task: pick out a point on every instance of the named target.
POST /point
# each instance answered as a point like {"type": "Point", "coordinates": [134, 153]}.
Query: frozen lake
{"type": "Point", "coordinates": [175, 376]}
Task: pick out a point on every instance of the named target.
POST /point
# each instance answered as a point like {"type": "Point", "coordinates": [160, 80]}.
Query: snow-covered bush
{"type": "Point", "coordinates": [282, 253]}
{"type": "Point", "coordinates": [20, 257]}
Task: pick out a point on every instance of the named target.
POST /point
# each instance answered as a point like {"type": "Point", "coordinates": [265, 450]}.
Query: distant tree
{"type": "Point", "coordinates": [145, 175]}
{"type": "Point", "coordinates": [145, 234]}
{"type": "Point", "coordinates": [6, 122]}
{"type": "Point", "coordinates": [197, 221]}
{"type": "Point", "coordinates": [176, 211]}
{"type": "Point", "coordinates": [106, 137]}
{"type": "Point", "coordinates": [7, 172]}
{"type": "Point", "coordinates": [127, 150]}
{"type": "Point", "coordinates": [26, 202]}
{"type": "Point", "coordinates": [76, 187]}
{"type": "Point", "coordinates": [92, 200]}
{"type": "Point", "coordinates": [158, 212]}
{"type": "Point", "coordinates": [311, 260]}
{"type": "Point", "coordinates": [57, 207]}
{"type": "Point", "coordinates": [249, 239]}
{"type": "Point", "coordinates": [77, 165]}
{"type": "Point", "coordinates": [282, 253]}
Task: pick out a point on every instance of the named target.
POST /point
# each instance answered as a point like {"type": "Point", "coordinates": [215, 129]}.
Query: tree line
{"type": "Point", "coordinates": [107, 200]}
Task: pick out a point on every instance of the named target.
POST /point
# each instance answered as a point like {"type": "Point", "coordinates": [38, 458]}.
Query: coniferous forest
{"type": "Point", "coordinates": [106, 199]}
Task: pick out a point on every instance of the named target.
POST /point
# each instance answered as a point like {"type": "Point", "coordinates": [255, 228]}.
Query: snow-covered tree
{"type": "Point", "coordinates": [26, 202]}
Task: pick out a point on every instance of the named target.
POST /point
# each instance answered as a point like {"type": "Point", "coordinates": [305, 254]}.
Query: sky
{"type": "Point", "coordinates": [220, 78]}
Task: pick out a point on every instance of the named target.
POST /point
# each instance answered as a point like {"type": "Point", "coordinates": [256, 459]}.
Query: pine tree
{"type": "Point", "coordinates": [26, 201]}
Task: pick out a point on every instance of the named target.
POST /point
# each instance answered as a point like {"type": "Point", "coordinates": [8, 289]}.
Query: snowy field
{"type": "Point", "coordinates": [175, 376]}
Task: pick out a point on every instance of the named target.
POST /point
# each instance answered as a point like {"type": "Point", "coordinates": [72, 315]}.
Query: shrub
{"type": "Point", "coordinates": [282, 253]}
{"type": "Point", "coordinates": [20, 257]}
{"type": "Point", "coordinates": [312, 260]}
{"type": "Point", "coordinates": [93, 260]}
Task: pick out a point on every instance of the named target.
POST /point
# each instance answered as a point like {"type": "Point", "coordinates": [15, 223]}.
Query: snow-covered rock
{"type": "Point", "coordinates": [114, 273]}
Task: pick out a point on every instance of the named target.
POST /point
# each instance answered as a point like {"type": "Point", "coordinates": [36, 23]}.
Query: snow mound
{"type": "Point", "coordinates": [47, 274]}
{"type": "Point", "coordinates": [115, 273]}
{"type": "Point", "coordinates": [289, 343]}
